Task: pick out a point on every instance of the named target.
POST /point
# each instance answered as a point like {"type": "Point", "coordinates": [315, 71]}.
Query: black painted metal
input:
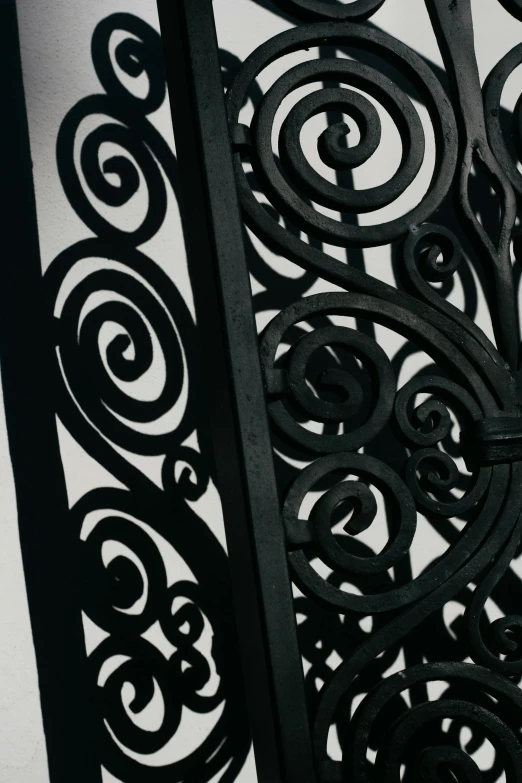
{"type": "Point", "coordinates": [358, 404]}
{"type": "Point", "coordinates": [213, 235]}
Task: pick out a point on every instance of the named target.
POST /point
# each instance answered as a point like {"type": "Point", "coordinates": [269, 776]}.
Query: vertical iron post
{"type": "Point", "coordinates": [214, 241]}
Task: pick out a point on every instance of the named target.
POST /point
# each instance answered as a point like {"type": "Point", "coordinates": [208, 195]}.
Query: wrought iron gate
{"type": "Point", "coordinates": [390, 736]}
{"type": "Point", "coordinates": [316, 387]}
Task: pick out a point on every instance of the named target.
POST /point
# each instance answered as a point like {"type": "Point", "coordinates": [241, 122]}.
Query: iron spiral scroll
{"type": "Point", "coordinates": [391, 727]}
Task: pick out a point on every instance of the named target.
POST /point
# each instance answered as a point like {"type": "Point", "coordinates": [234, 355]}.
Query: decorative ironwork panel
{"type": "Point", "coordinates": [420, 657]}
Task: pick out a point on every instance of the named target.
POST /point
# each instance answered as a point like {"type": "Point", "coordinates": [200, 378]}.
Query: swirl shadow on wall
{"type": "Point", "coordinates": [151, 577]}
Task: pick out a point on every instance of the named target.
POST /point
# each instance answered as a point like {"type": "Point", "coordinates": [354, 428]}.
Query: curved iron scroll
{"type": "Point", "coordinates": [332, 393]}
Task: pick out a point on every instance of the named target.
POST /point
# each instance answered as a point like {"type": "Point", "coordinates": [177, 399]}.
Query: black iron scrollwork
{"type": "Point", "coordinates": [166, 644]}
{"type": "Point", "coordinates": [354, 442]}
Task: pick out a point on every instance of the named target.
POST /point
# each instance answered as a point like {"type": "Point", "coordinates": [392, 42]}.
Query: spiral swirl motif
{"type": "Point", "coordinates": [315, 534]}
{"type": "Point", "coordinates": [111, 589]}
{"type": "Point", "coordinates": [181, 679]}
{"type": "Point", "coordinates": [287, 383]}
{"type": "Point", "coordinates": [439, 261]}
{"type": "Point", "coordinates": [285, 184]}
{"type": "Point", "coordinates": [430, 422]}
{"type": "Point", "coordinates": [359, 495]}
{"type": "Point", "coordinates": [439, 473]}
{"type": "Point", "coordinates": [140, 146]}
{"type": "Point", "coordinates": [139, 53]}
{"type": "Point", "coordinates": [432, 254]}
{"type": "Point", "coordinates": [126, 590]}
{"type": "Point", "coordinates": [102, 379]}
{"type": "Point", "coordinates": [178, 681]}
{"type": "Point", "coordinates": [426, 426]}
{"type": "Point", "coordinates": [132, 672]}
{"type": "Point", "coordinates": [293, 381]}
{"type": "Point", "coordinates": [489, 705]}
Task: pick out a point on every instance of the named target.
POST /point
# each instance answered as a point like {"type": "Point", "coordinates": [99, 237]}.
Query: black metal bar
{"type": "Point", "coordinates": [214, 241]}
{"type": "Point", "coordinates": [25, 357]}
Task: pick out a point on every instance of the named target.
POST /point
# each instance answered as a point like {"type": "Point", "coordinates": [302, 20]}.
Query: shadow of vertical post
{"type": "Point", "coordinates": [47, 541]}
